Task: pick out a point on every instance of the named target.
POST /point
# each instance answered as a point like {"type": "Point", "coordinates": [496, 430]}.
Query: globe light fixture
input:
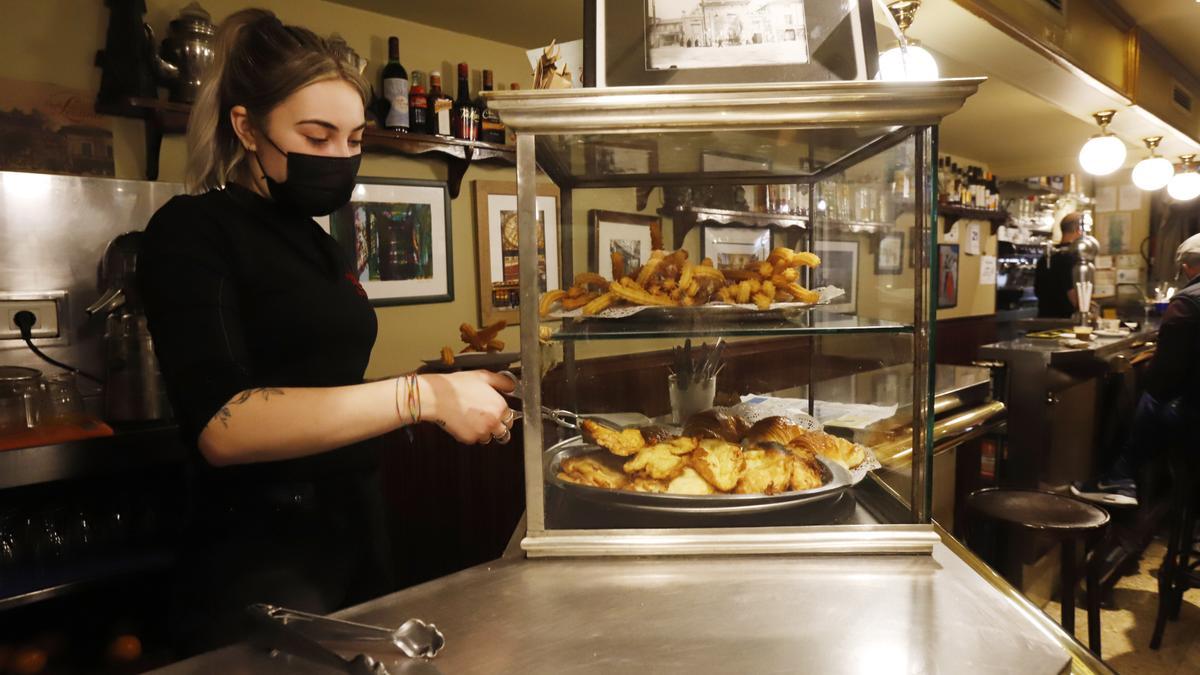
{"type": "Point", "coordinates": [1154, 172]}
{"type": "Point", "coordinates": [1104, 153]}
{"type": "Point", "coordinates": [908, 61]}
{"type": "Point", "coordinates": [1185, 185]}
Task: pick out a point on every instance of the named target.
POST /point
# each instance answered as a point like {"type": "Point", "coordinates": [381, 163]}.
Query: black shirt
{"type": "Point", "coordinates": [242, 294]}
{"type": "Point", "coordinates": [1174, 369]}
{"type": "Point", "coordinates": [1052, 281]}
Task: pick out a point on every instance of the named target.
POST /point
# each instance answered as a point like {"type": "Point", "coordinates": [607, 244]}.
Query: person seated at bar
{"type": "Point", "coordinates": [1169, 398]}
{"type": "Point", "coordinates": [1054, 282]}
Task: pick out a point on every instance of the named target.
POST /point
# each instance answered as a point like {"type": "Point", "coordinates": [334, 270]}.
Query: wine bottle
{"type": "Point", "coordinates": [395, 88]}
{"type": "Point", "coordinates": [491, 129]}
{"type": "Point", "coordinates": [418, 105]}
{"type": "Point", "coordinates": [438, 107]}
{"type": "Point", "coordinates": [464, 115]}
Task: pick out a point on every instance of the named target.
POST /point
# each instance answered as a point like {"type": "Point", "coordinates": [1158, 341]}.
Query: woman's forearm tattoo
{"type": "Point", "coordinates": [225, 414]}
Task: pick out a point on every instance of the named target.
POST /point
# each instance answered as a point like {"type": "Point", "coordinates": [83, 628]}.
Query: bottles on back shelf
{"type": "Point", "coordinates": [438, 107]}
{"type": "Point", "coordinates": [465, 118]}
{"type": "Point", "coordinates": [395, 88]}
{"type": "Point", "coordinates": [418, 104]}
{"type": "Point", "coordinates": [491, 129]}
{"type": "Point", "coordinates": [968, 186]}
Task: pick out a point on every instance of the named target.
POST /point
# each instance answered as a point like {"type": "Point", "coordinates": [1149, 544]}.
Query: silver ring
{"type": "Point", "coordinates": [509, 418]}
{"type": "Point", "coordinates": [504, 438]}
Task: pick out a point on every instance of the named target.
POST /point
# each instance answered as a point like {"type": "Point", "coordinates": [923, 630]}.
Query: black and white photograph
{"type": "Point", "coordinates": [889, 258]}
{"type": "Point", "coordinates": [691, 34]}
{"type": "Point", "coordinates": [621, 158]}
{"type": "Point", "coordinates": [621, 241]}
{"type": "Point", "coordinates": [735, 247]}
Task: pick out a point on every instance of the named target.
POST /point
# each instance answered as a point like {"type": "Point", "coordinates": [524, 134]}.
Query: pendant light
{"type": "Point", "coordinates": [1154, 172]}
{"type": "Point", "coordinates": [1103, 153]}
{"type": "Point", "coordinates": [1185, 185]}
{"type": "Point", "coordinates": [908, 61]}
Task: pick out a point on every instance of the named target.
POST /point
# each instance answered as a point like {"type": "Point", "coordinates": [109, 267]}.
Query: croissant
{"type": "Point", "coordinates": [837, 449]}
{"type": "Point", "coordinates": [773, 430]}
{"type": "Point", "coordinates": [716, 424]}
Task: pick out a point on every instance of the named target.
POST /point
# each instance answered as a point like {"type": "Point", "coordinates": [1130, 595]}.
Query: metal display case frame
{"type": "Point", "coordinates": [890, 113]}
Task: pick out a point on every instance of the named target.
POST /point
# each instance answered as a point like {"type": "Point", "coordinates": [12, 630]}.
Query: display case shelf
{"type": "Point", "coordinates": [633, 329]}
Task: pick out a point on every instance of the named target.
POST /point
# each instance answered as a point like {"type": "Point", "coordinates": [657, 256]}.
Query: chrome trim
{"type": "Point", "coordinates": [531, 355]}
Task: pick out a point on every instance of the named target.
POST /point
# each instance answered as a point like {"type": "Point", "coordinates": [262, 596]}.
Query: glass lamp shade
{"type": "Point", "coordinates": [1185, 186]}
{"type": "Point", "coordinates": [910, 64]}
{"type": "Point", "coordinates": [1153, 173]}
{"type": "Point", "coordinates": [1102, 155]}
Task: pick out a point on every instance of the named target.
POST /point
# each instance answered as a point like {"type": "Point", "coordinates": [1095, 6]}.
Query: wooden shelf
{"type": "Point", "coordinates": [164, 117]}
{"type": "Point", "coordinates": [952, 214]}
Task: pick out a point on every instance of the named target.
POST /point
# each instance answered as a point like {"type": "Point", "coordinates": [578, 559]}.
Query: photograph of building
{"type": "Point", "coordinates": [724, 33]}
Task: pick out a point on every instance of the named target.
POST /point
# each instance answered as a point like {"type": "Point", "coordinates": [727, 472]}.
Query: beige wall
{"type": "Point", "coordinates": [56, 41]}
{"type": "Point", "coordinates": [973, 299]}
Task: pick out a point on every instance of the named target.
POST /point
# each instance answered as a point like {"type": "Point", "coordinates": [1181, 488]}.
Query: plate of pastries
{"type": "Point", "coordinates": [717, 459]}
{"type": "Point", "coordinates": [482, 349]}
{"type": "Point", "coordinates": [668, 282]}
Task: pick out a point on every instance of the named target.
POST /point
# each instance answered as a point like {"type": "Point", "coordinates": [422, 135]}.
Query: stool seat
{"type": "Point", "coordinates": [1038, 510]}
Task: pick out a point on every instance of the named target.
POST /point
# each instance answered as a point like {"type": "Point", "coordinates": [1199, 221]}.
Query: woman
{"type": "Point", "coordinates": [263, 334]}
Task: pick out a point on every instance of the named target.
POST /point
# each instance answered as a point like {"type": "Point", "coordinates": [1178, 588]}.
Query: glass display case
{"type": "Point", "coordinates": [734, 356]}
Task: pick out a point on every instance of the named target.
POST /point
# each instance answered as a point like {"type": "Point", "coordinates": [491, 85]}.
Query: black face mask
{"type": "Point", "coordinates": [315, 185]}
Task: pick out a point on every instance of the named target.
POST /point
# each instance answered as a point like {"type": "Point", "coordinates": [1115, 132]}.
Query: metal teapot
{"type": "Point", "coordinates": [186, 53]}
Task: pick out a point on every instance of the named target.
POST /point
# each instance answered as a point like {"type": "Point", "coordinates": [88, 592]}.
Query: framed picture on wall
{"type": "Point", "coordinates": [889, 259]}
{"type": "Point", "coordinates": [610, 157]}
{"type": "Point", "coordinates": [499, 269]}
{"type": "Point", "coordinates": [660, 42]}
{"type": "Point", "coordinates": [947, 271]}
{"type": "Point", "coordinates": [629, 237]}
{"type": "Point", "coordinates": [735, 247]}
{"type": "Point", "coordinates": [839, 267]}
{"type": "Point", "coordinates": [397, 233]}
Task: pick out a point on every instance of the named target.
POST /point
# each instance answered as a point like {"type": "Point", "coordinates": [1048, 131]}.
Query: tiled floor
{"type": "Point", "coordinates": [1127, 629]}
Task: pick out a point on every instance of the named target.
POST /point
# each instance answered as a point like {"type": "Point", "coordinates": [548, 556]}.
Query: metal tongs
{"type": "Point", "coordinates": [302, 634]}
{"type": "Point", "coordinates": [563, 418]}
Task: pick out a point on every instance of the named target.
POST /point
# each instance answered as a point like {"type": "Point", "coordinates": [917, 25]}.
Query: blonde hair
{"type": "Point", "coordinates": [259, 62]}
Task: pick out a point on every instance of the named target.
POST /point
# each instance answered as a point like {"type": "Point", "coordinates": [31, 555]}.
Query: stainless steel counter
{"type": "Point", "coordinates": [1055, 353]}
{"type": "Point", "coordinates": [865, 614]}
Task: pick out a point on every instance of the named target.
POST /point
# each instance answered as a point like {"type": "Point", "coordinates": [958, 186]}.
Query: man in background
{"type": "Point", "coordinates": [1054, 282]}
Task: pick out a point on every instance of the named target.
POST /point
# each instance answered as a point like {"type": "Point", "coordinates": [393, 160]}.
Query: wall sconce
{"type": "Point", "coordinates": [908, 61]}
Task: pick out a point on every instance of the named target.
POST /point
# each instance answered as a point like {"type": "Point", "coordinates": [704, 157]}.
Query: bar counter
{"type": "Point", "coordinates": [755, 614]}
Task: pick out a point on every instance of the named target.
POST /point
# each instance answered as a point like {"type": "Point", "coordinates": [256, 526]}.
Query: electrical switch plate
{"type": "Point", "coordinates": [48, 307]}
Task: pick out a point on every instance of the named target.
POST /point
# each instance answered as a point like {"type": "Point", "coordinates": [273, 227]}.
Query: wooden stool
{"type": "Point", "coordinates": [1064, 518]}
{"type": "Point", "coordinates": [1180, 568]}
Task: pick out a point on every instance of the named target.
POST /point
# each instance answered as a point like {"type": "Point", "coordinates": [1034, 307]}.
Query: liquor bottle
{"type": "Point", "coordinates": [953, 185]}
{"type": "Point", "coordinates": [395, 88]}
{"type": "Point", "coordinates": [491, 129]}
{"type": "Point", "coordinates": [464, 116]}
{"type": "Point", "coordinates": [438, 107]}
{"type": "Point", "coordinates": [418, 105]}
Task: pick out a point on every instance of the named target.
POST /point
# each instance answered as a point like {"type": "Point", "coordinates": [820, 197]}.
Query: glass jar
{"type": "Point", "coordinates": [19, 394]}
{"type": "Point", "coordinates": [61, 401]}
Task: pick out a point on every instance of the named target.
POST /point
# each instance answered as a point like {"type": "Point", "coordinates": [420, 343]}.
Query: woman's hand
{"type": "Point", "coordinates": [468, 405]}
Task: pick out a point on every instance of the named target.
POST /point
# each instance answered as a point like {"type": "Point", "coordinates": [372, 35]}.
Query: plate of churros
{"type": "Point", "coordinates": [483, 350]}
{"type": "Point", "coordinates": [669, 284]}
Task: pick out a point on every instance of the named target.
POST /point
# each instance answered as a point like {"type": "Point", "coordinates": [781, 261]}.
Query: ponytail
{"type": "Point", "coordinates": [259, 62]}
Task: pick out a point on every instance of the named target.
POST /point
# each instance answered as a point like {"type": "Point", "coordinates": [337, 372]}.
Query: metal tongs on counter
{"type": "Point", "coordinates": [303, 634]}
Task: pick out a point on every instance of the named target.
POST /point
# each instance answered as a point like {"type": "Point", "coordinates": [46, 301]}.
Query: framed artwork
{"type": "Point", "coordinates": [610, 157]}
{"type": "Point", "coordinates": [889, 259]}
{"type": "Point", "coordinates": [630, 235]}
{"type": "Point", "coordinates": [947, 275]}
{"type": "Point", "coordinates": [660, 42]}
{"type": "Point", "coordinates": [735, 247]}
{"type": "Point", "coordinates": [499, 269]}
{"type": "Point", "coordinates": [839, 267]}
{"type": "Point", "coordinates": [397, 232]}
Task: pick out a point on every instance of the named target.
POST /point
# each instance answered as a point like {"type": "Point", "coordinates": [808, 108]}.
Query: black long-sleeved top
{"type": "Point", "coordinates": [1053, 280]}
{"type": "Point", "coordinates": [1176, 363]}
{"type": "Point", "coordinates": [242, 294]}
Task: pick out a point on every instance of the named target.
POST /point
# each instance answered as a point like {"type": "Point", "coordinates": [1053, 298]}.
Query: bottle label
{"type": "Point", "coordinates": [395, 90]}
{"type": "Point", "coordinates": [442, 114]}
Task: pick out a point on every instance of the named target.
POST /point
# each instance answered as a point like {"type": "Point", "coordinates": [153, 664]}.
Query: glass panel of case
{"type": "Point", "coordinates": [655, 453]}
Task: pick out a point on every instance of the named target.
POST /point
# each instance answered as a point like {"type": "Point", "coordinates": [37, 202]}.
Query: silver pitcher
{"type": "Point", "coordinates": [186, 53]}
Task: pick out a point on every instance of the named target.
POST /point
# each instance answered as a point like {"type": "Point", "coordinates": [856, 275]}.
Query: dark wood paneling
{"type": "Point", "coordinates": [958, 340]}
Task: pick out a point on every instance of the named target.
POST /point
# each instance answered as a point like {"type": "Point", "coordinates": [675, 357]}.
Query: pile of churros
{"type": "Point", "coordinates": [670, 280]}
{"type": "Point", "coordinates": [477, 340]}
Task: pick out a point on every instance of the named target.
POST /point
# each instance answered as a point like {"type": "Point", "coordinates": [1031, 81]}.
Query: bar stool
{"type": "Point", "coordinates": [1066, 519]}
{"type": "Point", "coordinates": [1180, 568]}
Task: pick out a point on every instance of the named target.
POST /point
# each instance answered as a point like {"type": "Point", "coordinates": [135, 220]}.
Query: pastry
{"type": "Point", "coordinates": [588, 470]}
{"type": "Point", "coordinates": [807, 471]}
{"type": "Point", "coordinates": [719, 462]}
{"type": "Point", "coordinates": [620, 442]}
{"type": "Point", "coordinates": [689, 483]}
{"type": "Point", "coordinates": [779, 430]}
{"type": "Point", "coordinates": [714, 423]}
{"type": "Point", "coordinates": [657, 462]}
{"type": "Point", "coordinates": [837, 449]}
{"type": "Point", "coordinates": [767, 472]}
{"type": "Point", "coordinates": [640, 484]}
